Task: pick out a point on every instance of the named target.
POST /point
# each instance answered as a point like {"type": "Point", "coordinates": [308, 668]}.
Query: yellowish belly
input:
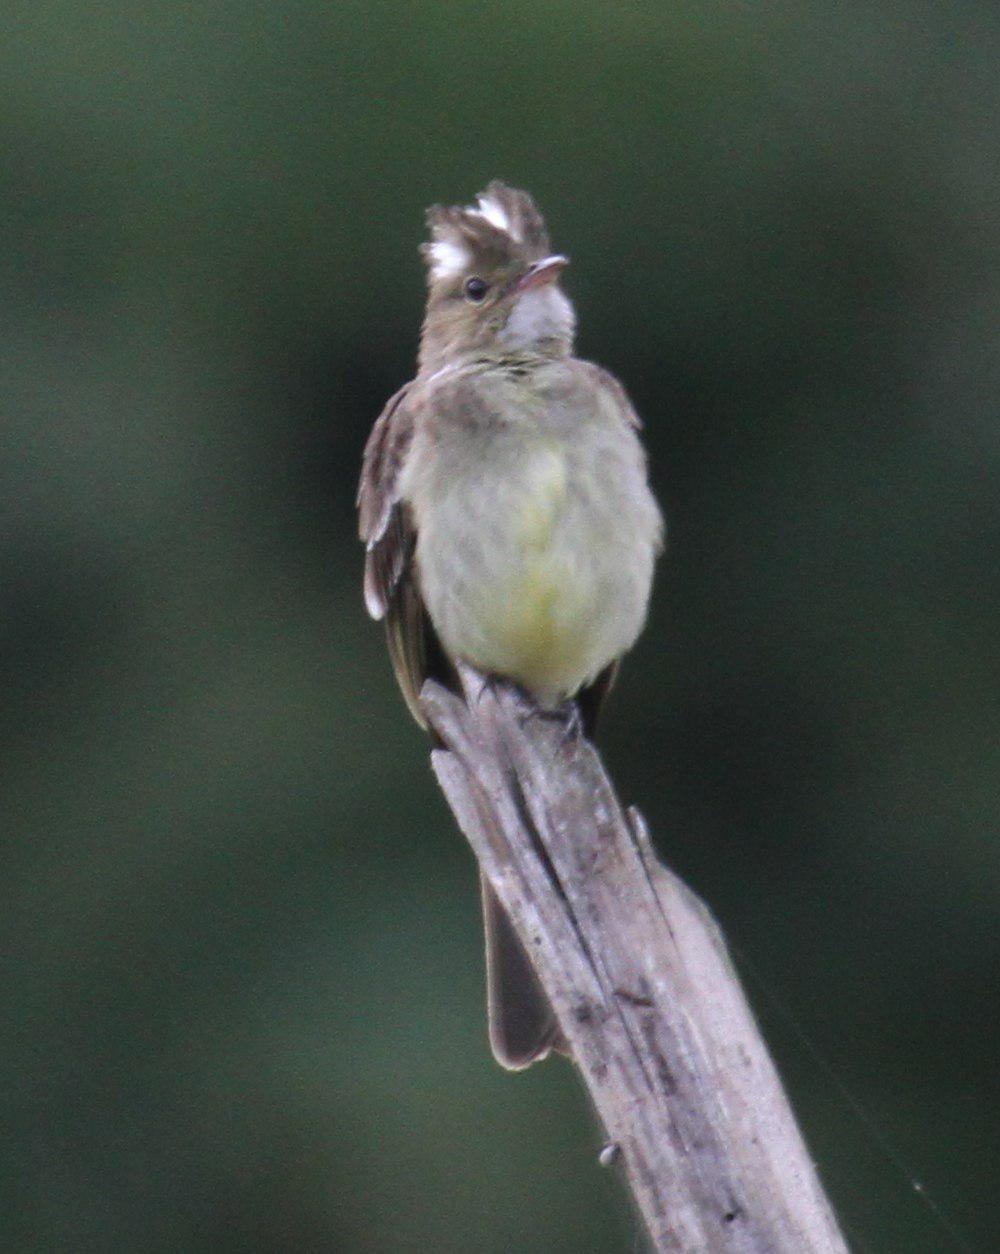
{"type": "Point", "coordinates": [539, 634]}
{"type": "Point", "coordinates": [532, 573]}
{"type": "Point", "coordinates": [541, 631]}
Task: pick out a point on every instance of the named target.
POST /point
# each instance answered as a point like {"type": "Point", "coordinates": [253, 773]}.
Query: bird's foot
{"type": "Point", "coordinates": [487, 684]}
{"type": "Point", "coordinates": [496, 685]}
{"type": "Point", "coordinates": [567, 714]}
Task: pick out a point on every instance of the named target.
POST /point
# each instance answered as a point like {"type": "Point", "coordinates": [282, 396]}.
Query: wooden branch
{"type": "Point", "coordinates": [640, 979]}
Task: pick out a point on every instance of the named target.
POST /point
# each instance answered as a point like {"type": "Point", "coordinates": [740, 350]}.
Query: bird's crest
{"type": "Point", "coordinates": [502, 225]}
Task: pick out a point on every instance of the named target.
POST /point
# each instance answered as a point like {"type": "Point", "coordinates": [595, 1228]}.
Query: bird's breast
{"type": "Point", "coordinates": [531, 563]}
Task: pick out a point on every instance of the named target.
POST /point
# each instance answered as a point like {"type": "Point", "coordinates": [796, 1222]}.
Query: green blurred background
{"type": "Point", "coordinates": [241, 968]}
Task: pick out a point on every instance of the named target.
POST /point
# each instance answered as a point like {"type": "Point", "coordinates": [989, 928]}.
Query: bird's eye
{"type": "Point", "coordinates": [476, 288]}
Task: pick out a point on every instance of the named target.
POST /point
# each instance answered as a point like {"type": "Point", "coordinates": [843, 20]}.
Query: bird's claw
{"type": "Point", "coordinates": [568, 715]}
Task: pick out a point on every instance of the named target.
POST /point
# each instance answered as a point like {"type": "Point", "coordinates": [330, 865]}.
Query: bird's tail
{"type": "Point", "coordinates": [523, 1026]}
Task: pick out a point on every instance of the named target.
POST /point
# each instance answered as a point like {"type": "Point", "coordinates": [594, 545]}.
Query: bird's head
{"type": "Point", "coordinates": [492, 282]}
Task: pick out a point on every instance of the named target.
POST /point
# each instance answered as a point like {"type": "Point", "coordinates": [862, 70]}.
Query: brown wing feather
{"type": "Point", "coordinates": [606, 381]}
{"type": "Point", "coordinates": [386, 526]}
{"type": "Point", "coordinates": [381, 520]}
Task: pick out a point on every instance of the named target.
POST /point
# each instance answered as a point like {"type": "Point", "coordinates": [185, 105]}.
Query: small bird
{"type": "Point", "coordinates": [507, 515]}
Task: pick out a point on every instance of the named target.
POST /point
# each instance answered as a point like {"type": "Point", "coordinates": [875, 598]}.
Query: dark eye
{"type": "Point", "coordinates": [476, 288]}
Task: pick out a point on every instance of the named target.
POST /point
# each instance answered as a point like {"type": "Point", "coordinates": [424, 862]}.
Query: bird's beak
{"type": "Point", "coordinates": [545, 271]}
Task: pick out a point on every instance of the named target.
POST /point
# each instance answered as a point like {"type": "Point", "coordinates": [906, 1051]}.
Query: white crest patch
{"type": "Point", "coordinates": [495, 215]}
{"type": "Point", "coordinates": [448, 258]}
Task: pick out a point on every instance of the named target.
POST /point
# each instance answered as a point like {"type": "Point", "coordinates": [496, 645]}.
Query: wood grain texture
{"type": "Point", "coordinates": [640, 980]}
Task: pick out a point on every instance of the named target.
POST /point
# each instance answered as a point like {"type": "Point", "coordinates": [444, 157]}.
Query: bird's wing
{"type": "Point", "coordinates": [611, 390]}
{"type": "Point", "coordinates": [386, 527]}
{"type": "Point", "coordinates": [382, 521]}
{"type": "Point", "coordinates": [616, 401]}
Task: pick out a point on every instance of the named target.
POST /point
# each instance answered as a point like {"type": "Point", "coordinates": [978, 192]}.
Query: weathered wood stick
{"type": "Point", "coordinates": [640, 979]}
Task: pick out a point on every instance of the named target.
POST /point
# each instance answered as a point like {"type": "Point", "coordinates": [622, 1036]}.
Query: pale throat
{"type": "Point", "coordinates": [540, 317]}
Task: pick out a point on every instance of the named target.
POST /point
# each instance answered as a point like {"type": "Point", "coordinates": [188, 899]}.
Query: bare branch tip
{"type": "Point", "coordinates": [438, 704]}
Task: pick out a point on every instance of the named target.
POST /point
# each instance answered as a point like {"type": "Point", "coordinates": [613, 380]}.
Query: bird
{"type": "Point", "coordinates": [507, 516]}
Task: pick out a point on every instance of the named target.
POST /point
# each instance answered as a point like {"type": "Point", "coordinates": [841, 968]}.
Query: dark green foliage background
{"type": "Point", "coordinates": [242, 1005]}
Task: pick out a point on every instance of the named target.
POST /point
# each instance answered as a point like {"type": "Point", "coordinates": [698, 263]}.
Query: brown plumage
{"type": "Point", "coordinates": [500, 488]}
